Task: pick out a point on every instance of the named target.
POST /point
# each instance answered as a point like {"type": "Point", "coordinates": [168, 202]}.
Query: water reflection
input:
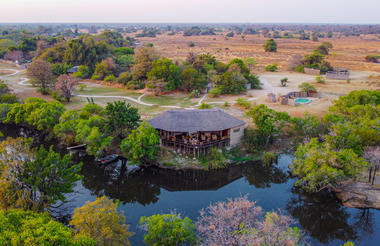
{"type": "Point", "coordinates": [143, 185]}
{"type": "Point", "coordinates": [325, 219]}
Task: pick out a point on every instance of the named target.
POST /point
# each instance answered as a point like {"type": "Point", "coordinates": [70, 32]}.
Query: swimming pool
{"type": "Point", "coordinates": [302, 101]}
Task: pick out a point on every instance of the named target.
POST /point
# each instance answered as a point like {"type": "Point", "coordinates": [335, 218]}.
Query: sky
{"type": "Point", "coordinates": [210, 11]}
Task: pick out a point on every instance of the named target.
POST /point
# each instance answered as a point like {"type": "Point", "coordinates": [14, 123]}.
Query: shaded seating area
{"type": "Point", "coordinates": [194, 132]}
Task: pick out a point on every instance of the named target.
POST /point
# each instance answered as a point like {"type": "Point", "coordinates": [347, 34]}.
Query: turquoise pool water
{"type": "Point", "coordinates": [302, 100]}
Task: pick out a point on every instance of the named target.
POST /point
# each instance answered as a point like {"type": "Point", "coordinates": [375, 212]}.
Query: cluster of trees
{"type": "Point", "coordinates": [192, 75]}
{"type": "Point", "coordinates": [315, 60]}
{"type": "Point", "coordinates": [335, 145]}
{"type": "Point", "coordinates": [97, 127]}
{"type": "Point", "coordinates": [352, 127]}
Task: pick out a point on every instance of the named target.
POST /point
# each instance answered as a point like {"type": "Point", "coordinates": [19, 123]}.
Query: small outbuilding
{"type": "Point", "coordinates": [338, 73]}
{"type": "Point", "coordinates": [73, 69]}
{"type": "Point", "coordinates": [195, 131]}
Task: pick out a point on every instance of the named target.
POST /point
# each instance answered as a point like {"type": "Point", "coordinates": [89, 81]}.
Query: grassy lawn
{"type": "Point", "coordinates": [108, 91]}
{"type": "Point", "coordinates": [181, 100]}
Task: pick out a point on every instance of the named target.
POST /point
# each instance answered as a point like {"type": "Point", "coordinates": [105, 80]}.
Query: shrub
{"type": "Point", "coordinates": [253, 140]}
{"type": "Point", "coordinates": [299, 69]}
{"type": "Point", "coordinates": [109, 78]}
{"type": "Point", "coordinates": [96, 77]}
{"type": "Point", "coordinates": [226, 104]}
{"type": "Point", "coordinates": [216, 159]}
{"type": "Point", "coordinates": [269, 158]}
{"type": "Point", "coordinates": [243, 102]}
{"type": "Point", "coordinates": [44, 91]}
{"type": "Point", "coordinates": [81, 87]}
{"type": "Point", "coordinates": [195, 93]}
{"type": "Point", "coordinates": [284, 81]}
{"type": "Point", "coordinates": [8, 98]}
{"type": "Point", "coordinates": [124, 78]}
{"type": "Point", "coordinates": [272, 68]}
{"type": "Point", "coordinates": [320, 79]}
{"type": "Point", "coordinates": [83, 72]}
{"type": "Point", "coordinates": [306, 87]}
{"type": "Point", "coordinates": [135, 85]}
{"type": "Point", "coordinates": [372, 58]}
{"type": "Point", "coordinates": [204, 106]}
{"type": "Point", "coordinates": [168, 229]}
{"type": "Point", "coordinates": [215, 92]}
{"type": "Point", "coordinates": [191, 44]}
{"type": "Point", "coordinates": [270, 45]}
{"type": "Point", "coordinates": [55, 95]}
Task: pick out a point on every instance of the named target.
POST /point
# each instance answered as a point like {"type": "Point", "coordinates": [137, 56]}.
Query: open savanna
{"type": "Point", "coordinates": [347, 52]}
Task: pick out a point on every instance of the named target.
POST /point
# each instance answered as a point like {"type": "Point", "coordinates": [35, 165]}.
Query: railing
{"type": "Point", "coordinates": [198, 145]}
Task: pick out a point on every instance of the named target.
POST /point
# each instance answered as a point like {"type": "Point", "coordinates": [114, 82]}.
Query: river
{"type": "Point", "coordinates": [144, 192]}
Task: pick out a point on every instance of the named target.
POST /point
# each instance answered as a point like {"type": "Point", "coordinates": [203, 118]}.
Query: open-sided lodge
{"type": "Point", "coordinates": [195, 131]}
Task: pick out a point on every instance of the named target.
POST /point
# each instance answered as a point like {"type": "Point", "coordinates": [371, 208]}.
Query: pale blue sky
{"type": "Point", "coordinates": [289, 11]}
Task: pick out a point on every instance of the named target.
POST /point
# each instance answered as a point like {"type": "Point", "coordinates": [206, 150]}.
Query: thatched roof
{"type": "Point", "coordinates": [195, 120]}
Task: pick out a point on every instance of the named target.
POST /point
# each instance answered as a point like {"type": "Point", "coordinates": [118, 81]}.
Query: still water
{"type": "Point", "coordinates": [145, 192]}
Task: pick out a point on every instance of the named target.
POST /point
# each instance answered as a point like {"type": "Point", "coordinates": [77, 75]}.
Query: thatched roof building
{"type": "Point", "coordinates": [201, 120]}
{"type": "Point", "coordinates": [198, 129]}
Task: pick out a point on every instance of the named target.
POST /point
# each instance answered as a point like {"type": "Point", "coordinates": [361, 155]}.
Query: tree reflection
{"type": "Point", "coordinates": [116, 182]}
{"type": "Point", "coordinates": [143, 185]}
{"type": "Point", "coordinates": [262, 176]}
{"type": "Point", "coordinates": [322, 215]}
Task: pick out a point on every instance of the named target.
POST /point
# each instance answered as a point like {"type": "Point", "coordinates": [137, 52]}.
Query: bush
{"type": "Point", "coordinates": [299, 69]}
{"type": "Point", "coordinates": [135, 85]}
{"type": "Point", "coordinates": [124, 78]}
{"type": "Point", "coordinates": [272, 68]}
{"type": "Point", "coordinates": [55, 95]}
{"type": "Point", "coordinates": [204, 106]}
{"type": "Point", "coordinates": [253, 140]}
{"type": "Point", "coordinates": [284, 81]}
{"type": "Point", "coordinates": [109, 78]}
{"type": "Point", "coordinates": [215, 92]}
{"type": "Point", "coordinates": [8, 98]}
{"type": "Point", "coordinates": [195, 93]}
{"type": "Point", "coordinates": [243, 102]}
{"type": "Point", "coordinates": [44, 91]}
{"type": "Point", "coordinates": [270, 45]}
{"type": "Point", "coordinates": [306, 87]}
{"type": "Point", "coordinates": [226, 104]}
{"type": "Point", "coordinates": [168, 229]}
{"type": "Point", "coordinates": [320, 79]}
{"type": "Point", "coordinates": [269, 158]}
{"type": "Point", "coordinates": [191, 44]}
{"type": "Point", "coordinates": [83, 72]}
{"type": "Point", "coordinates": [254, 81]}
{"type": "Point", "coordinates": [81, 87]}
{"type": "Point", "coordinates": [96, 77]}
{"type": "Point", "coordinates": [216, 159]}
{"type": "Point", "coordinates": [372, 58]}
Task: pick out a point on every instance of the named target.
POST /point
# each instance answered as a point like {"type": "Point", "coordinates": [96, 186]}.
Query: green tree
{"type": "Point", "coordinates": [121, 117]}
{"type": "Point", "coordinates": [306, 87]}
{"type": "Point", "coordinates": [319, 166]}
{"type": "Point", "coordinates": [37, 180]}
{"type": "Point", "coordinates": [144, 58]}
{"type": "Point", "coordinates": [100, 220]}
{"type": "Point", "coordinates": [193, 80]}
{"type": "Point", "coordinates": [270, 45]}
{"type": "Point", "coordinates": [67, 126]}
{"type": "Point", "coordinates": [141, 145]}
{"type": "Point", "coordinates": [268, 122]}
{"type": "Point", "coordinates": [324, 48]}
{"type": "Point", "coordinates": [168, 229]}
{"type": "Point", "coordinates": [164, 69]}
{"type": "Point", "coordinates": [233, 82]}
{"type": "Point", "coordinates": [83, 72]}
{"type": "Point", "coordinates": [36, 112]}
{"type": "Point", "coordinates": [20, 227]}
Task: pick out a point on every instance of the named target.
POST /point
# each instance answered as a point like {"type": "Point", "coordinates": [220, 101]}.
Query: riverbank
{"type": "Point", "coordinates": [358, 195]}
